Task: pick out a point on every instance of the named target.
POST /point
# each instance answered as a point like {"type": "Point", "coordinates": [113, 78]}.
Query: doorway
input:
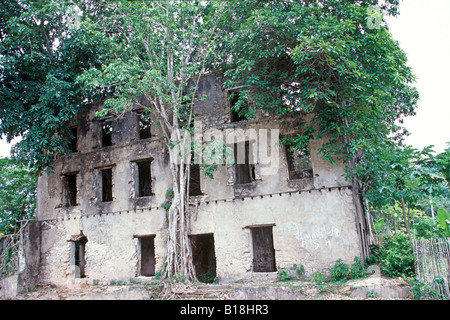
{"type": "Point", "coordinates": [263, 250]}
{"type": "Point", "coordinates": [204, 257]}
{"type": "Point", "coordinates": [148, 261]}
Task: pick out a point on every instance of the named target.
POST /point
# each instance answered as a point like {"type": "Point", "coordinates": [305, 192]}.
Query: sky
{"type": "Point", "coordinates": [423, 31]}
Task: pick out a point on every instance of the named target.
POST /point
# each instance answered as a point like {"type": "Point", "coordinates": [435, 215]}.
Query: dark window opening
{"type": "Point", "coordinates": [144, 125]}
{"type": "Point", "coordinates": [263, 250]}
{"type": "Point", "coordinates": [299, 162]}
{"type": "Point", "coordinates": [148, 261]}
{"type": "Point", "coordinates": [107, 185]}
{"type": "Point", "coordinates": [79, 257]}
{"type": "Point", "coordinates": [70, 190]}
{"type": "Point", "coordinates": [107, 133]}
{"type": "Point", "coordinates": [194, 181]}
{"type": "Point", "coordinates": [237, 107]}
{"type": "Point", "coordinates": [144, 178]}
{"type": "Point", "coordinates": [243, 168]}
{"type": "Point", "coordinates": [204, 257]}
{"type": "Point", "coordinates": [73, 140]}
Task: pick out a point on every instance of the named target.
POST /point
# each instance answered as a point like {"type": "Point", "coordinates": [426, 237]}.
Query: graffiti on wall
{"type": "Point", "coordinates": [316, 239]}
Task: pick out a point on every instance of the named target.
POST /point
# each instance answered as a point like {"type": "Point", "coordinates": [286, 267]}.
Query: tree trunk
{"type": "Point", "coordinates": [179, 263]}
{"type": "Point", "coordinates": [405, 220]}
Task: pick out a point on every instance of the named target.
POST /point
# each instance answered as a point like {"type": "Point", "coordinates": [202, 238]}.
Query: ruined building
{"type": "Point", "coordinates": [102, 217]}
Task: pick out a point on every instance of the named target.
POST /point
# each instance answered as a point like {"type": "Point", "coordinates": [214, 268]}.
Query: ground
{"type": "Point", "coordinates": [372, 288]}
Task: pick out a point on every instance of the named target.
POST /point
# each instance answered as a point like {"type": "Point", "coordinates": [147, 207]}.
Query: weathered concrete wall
{"type": "Point", "coordinates": [111, 250]}
{"type": "Point", "coordinates": [30, 257]}
{"type": "Point", "coordinates": [312, 219]}
{"type": "Point", "coordinates": [28, 262]}
{"type": "Point", "coordinates": [311, 228]}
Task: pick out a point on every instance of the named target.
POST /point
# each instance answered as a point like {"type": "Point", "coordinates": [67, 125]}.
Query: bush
{"type": "Point", "coordinates": [283, 275]}
{"type": "Point", "coordinates": [397, 257]}
{"type": "Point", "coordinates": [358, 271]}
{"type": "Point", "coordinates": [300, 270]}
{"type": "Point", "coordinates": [318, 277]}
{"type": "Point", "coordinates": [420, 289]}
{"type": "Point", "coordinates": [340, 271]}
{"type": "Point", "coordinates": [394, 255]}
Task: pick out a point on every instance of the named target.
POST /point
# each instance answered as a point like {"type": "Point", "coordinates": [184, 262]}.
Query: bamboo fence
{"type": "Point", "coordinates": [9, 249]}
{"type": "Point", "coordinates": [433, 263]}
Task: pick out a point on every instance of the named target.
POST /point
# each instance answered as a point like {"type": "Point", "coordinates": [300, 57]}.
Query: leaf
{"type": "Point", "coordinates": [443, 218]}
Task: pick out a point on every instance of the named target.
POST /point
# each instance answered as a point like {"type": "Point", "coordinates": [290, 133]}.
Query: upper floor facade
{"type": "Point", "coordinates": [122, 164]}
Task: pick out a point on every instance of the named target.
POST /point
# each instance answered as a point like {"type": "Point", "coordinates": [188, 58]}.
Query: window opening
{"type": "Point", "coordinates": [79, 254]}
{"type": "Point", "coordinates": [73, 140]}
{"type": "Point", "coordinates": [194, 181]}
{"type": "Point", "coordinates": [144, 178]}
{"type": "Point", "coordinates": [237, 107]}
{"type": "Point", "coordinates": [263, 250]}
{"type": "Point", "coordinates": [144, 125]}
{"type": "Point", "coordinates": [106, 175]}
{"type": "Point", "coordinates": [299, 162]}
{"type": "Point", "coordinates": [204, 257]}
{"type": "Point", "coordinates": [244, 170]}
{"type": "Point", "coordinates": [70, 190]}
{"type": "Point", "coordinates": [107, 133]}
{"type": "Point", "coordinates": [148, 261]}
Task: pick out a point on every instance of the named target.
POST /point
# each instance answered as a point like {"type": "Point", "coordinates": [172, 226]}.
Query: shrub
{"type": "Point", "coordinates": [283, 275]}
{"type": "Point", "coordinates": [340, 271]}
{"type": "Point", "coordinates": [394, 255]}
{"type": "Point", "coordinates": [397, 257]}
{"type": "Point", "coordinates": [420, 289]}
{"type": "Point", "coordinates": [358, 271]}
{"type": "Point", "coordinates": [318, 277]}
{"type": "Point", "coordinates": [299, 269]}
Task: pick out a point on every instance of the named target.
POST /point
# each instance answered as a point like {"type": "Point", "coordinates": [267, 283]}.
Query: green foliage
{"type": "Point", "coordinates": [318, 277]}
{"type": "Point", "coordinates": [357, 270]}
{"type": "Point", "coordinates": [426, 228]}
{"type": "Point", "coordinates": [322, 59]}
{"type": "Point", "coordinates": [215, 153]}
{"type": "Point", "coordinates": [41, 57]}
{"type": "Point", "coordinates": [168, 201]}
{"type": "Point", "coordinates": [300, 270]}
{"type": "Point", "coordinates": [283, 275]}
{"type": "Point", "coordinates": [17, 195]}
{"type": "Point", "coordinates": [210, 276]}
{"type": "Point", "coordinates": [394, 255]}
{"type": "Point", "coordinates": [400, 183]}
{"type": "Point", "coordinates": [340, 271]}
{"type": "Point", "coordinates": [372, 294]}
{"type": "Point", "coordinates": [158, 275]}
{"type": "Point", "coordinates": [443, 218]}
{"type": "Point", "coordinates": [421, 289]}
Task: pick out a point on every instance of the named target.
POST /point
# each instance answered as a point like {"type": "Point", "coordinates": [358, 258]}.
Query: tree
{"type": "Point", "coordinates": [327, 58]}
{"type": "Point", "coordinates": [159, 54]}
{"type": "Point", "coordinates": [41, 54]}
{"type": "Point", "coordinates": [439, 165]}
{"type": "Point", "coordinates": [322, 57]}
{"type": "Point", "coordinates": [17, 195]}
{"type": "Point", "coordinates": [403, 177]}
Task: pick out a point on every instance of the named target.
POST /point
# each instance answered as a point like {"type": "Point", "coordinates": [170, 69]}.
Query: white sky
{"type": "Point", "coordinates": [423, 30]}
